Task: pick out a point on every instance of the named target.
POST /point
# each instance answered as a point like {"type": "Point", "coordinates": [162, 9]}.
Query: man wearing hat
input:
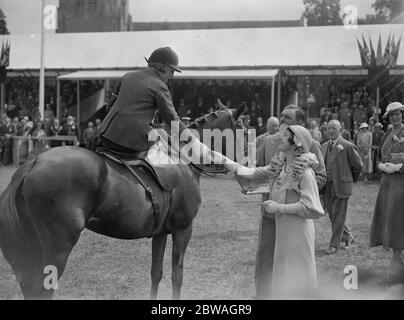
{"type": "Point", "coordinates": [343, 165]}
{"type": "Point", "coordinates": [137, 98]}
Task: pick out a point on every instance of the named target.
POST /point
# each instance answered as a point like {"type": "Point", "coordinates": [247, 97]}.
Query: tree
{"type": "Point", "coordinates": [3, 25]}
{"type": "Point", "coordinates": [322, 12]}
{"type": "Point", "coordinates": [370, 19]}
{"type": "Point", "coordinates": [388, 10]}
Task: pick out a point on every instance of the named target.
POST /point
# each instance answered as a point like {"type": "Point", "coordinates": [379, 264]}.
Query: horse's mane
{"type": "Point", "coordinates": [203, 119]}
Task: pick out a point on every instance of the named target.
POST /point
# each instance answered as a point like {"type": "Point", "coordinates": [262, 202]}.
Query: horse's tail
{"type": "Point", "coordinates": [19, 239]}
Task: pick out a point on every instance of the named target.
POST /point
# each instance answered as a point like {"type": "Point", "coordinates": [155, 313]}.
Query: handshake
{"type": "Point", "coordinates": [389, 167]}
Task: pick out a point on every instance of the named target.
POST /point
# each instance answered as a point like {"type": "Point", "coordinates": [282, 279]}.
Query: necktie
{"type": "Point", "coordinates": [331, 145]}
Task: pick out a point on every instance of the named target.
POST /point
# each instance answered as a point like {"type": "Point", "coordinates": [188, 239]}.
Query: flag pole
{"type": "Point", "coordinates": [42, 66]}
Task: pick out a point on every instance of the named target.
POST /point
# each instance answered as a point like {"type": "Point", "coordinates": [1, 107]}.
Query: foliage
{"type": "Point", "coordinates": [322, 12]}
{"type": "Point", "coordinates": [386, 11]}
{"type": "Point", "coordinates": [3, 24]}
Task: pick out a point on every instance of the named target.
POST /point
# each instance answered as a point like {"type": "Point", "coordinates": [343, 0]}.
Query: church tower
{"type": "Point", "coordinates": [93, 16]}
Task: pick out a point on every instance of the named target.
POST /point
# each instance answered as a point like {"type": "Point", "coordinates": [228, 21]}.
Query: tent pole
{"type": "Point", "coordinates": [42, 66]}
{"type": "Point", "coordinates": [377, 100]}
{"type": "Point", "coordinates": [58, 99]}
{"type": "Point", "coordinates": [278, 111]}
{"type": "Point", "coordinates": [78, 103]}
{"type": "Point", "coordinates": [3, 97]}
{"type": "Point", "coordinates": [272, 96]}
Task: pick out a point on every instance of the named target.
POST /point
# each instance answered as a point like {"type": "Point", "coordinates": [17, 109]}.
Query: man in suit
{"type": "Point", "coordinates": [343, 165]}
{"type": "Point", "coordinates": [135, 101]}
{"type": "Point", "coordinates": [271, 129]}
{"type": "Point", "coordinates": [267, 154]}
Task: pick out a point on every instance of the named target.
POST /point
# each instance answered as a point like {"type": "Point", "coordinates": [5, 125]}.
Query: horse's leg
{"type": "Point", "coordinates": [45, 280]}
{"type": "Point", "coordinates": [158, 249]}
{"type": "Point", "coordinates": [57, 240]}
{"type": "Point", "coordinates": [180, 243]}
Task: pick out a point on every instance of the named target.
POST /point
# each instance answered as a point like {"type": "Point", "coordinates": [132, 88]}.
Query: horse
{"type": "Point", "coordinates": [53, 197]}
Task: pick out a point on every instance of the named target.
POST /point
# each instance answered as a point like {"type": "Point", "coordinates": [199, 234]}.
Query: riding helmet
{"type": "Point", "coordinates": [165, 55]}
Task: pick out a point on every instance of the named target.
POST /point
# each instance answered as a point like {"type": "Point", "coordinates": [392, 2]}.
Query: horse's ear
{"type": "Point", "coordinates": [239, 111]}
{"type": "Point", "coordinates": [221, 105]}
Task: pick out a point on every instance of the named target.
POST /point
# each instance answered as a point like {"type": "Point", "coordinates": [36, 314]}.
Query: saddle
{"type": "Point", "coordinates": [164, 177]}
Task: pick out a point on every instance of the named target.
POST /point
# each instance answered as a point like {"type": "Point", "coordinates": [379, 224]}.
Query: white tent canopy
{"type": "Point", "coordinates": [297, 47]}
{"type": "Point", "coordinates": [185, 74]}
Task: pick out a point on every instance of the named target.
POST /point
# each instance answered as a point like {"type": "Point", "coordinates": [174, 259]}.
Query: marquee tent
{"type": "Point", "coordinates": [332, 47]}
{"type": "Point", "coordinates": [256, 53]}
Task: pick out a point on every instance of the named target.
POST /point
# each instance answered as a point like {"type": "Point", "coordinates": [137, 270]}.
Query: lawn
{"type": "Point", "coordinates": [220, 260]}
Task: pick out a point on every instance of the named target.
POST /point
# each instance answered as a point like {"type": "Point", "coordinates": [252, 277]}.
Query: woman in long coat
{"type": "Point", "coordinates": [294, 202]}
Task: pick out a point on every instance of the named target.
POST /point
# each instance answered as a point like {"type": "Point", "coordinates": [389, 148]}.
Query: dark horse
{"type": "Point", "coordinates": [52, 198]}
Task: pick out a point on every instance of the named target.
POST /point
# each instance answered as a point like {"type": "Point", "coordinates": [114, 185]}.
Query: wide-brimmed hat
{"type": "Point", "coordinates": [364, 125]}
{"type": "Point", "coordinates": [394, 106]}
{"type": "Point", "coordinates": [302, 137]}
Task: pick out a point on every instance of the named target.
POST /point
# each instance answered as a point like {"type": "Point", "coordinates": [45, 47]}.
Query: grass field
{"type": "Point", "coordinates": [220, 260]}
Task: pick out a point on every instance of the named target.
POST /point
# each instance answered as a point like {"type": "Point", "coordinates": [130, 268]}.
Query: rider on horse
{"type": "Point", "coordinates": [136, 99]}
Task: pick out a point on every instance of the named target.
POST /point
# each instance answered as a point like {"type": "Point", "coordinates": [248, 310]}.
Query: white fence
{"type": "Point", "coordinates": [24, 147]}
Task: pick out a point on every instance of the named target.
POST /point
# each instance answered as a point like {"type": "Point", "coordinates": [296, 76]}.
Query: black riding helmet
{"type": "Point", "coordinates": [165, 55]}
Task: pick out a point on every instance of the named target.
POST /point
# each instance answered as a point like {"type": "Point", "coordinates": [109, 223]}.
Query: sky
{"type": "Point", "coordinates": [23, 16]}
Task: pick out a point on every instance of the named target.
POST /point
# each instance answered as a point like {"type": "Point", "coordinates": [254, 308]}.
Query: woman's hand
{"type": "Point", "coordinates": [389, 167]}
{"type": "Point", "coordinates": [394, 167]}
{"type": "Point", "coordinates": [270, 206]}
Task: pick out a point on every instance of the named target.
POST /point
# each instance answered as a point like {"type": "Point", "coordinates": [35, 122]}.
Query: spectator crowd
{"type": "Point", "coordinates": [353, 105]}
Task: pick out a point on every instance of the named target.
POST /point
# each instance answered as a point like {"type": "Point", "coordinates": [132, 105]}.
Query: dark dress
{"type": "Point", "coordinates": [388, 221]}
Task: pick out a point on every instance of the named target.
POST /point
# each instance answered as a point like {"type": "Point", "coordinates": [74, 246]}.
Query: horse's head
{"type": "Point", "coordinates": [221, 130]}
{"type": "Point", "coordinates": [221, 119]}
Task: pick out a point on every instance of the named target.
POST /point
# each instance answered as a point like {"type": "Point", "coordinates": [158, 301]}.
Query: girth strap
{"type": "Point", "coordinates": [159, 220]}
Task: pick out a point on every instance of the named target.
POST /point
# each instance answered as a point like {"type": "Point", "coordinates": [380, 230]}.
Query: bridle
{"type": "Point", "coordinates": [199, 168]}
{"type": "Point", "coordinates": [232, 119]}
